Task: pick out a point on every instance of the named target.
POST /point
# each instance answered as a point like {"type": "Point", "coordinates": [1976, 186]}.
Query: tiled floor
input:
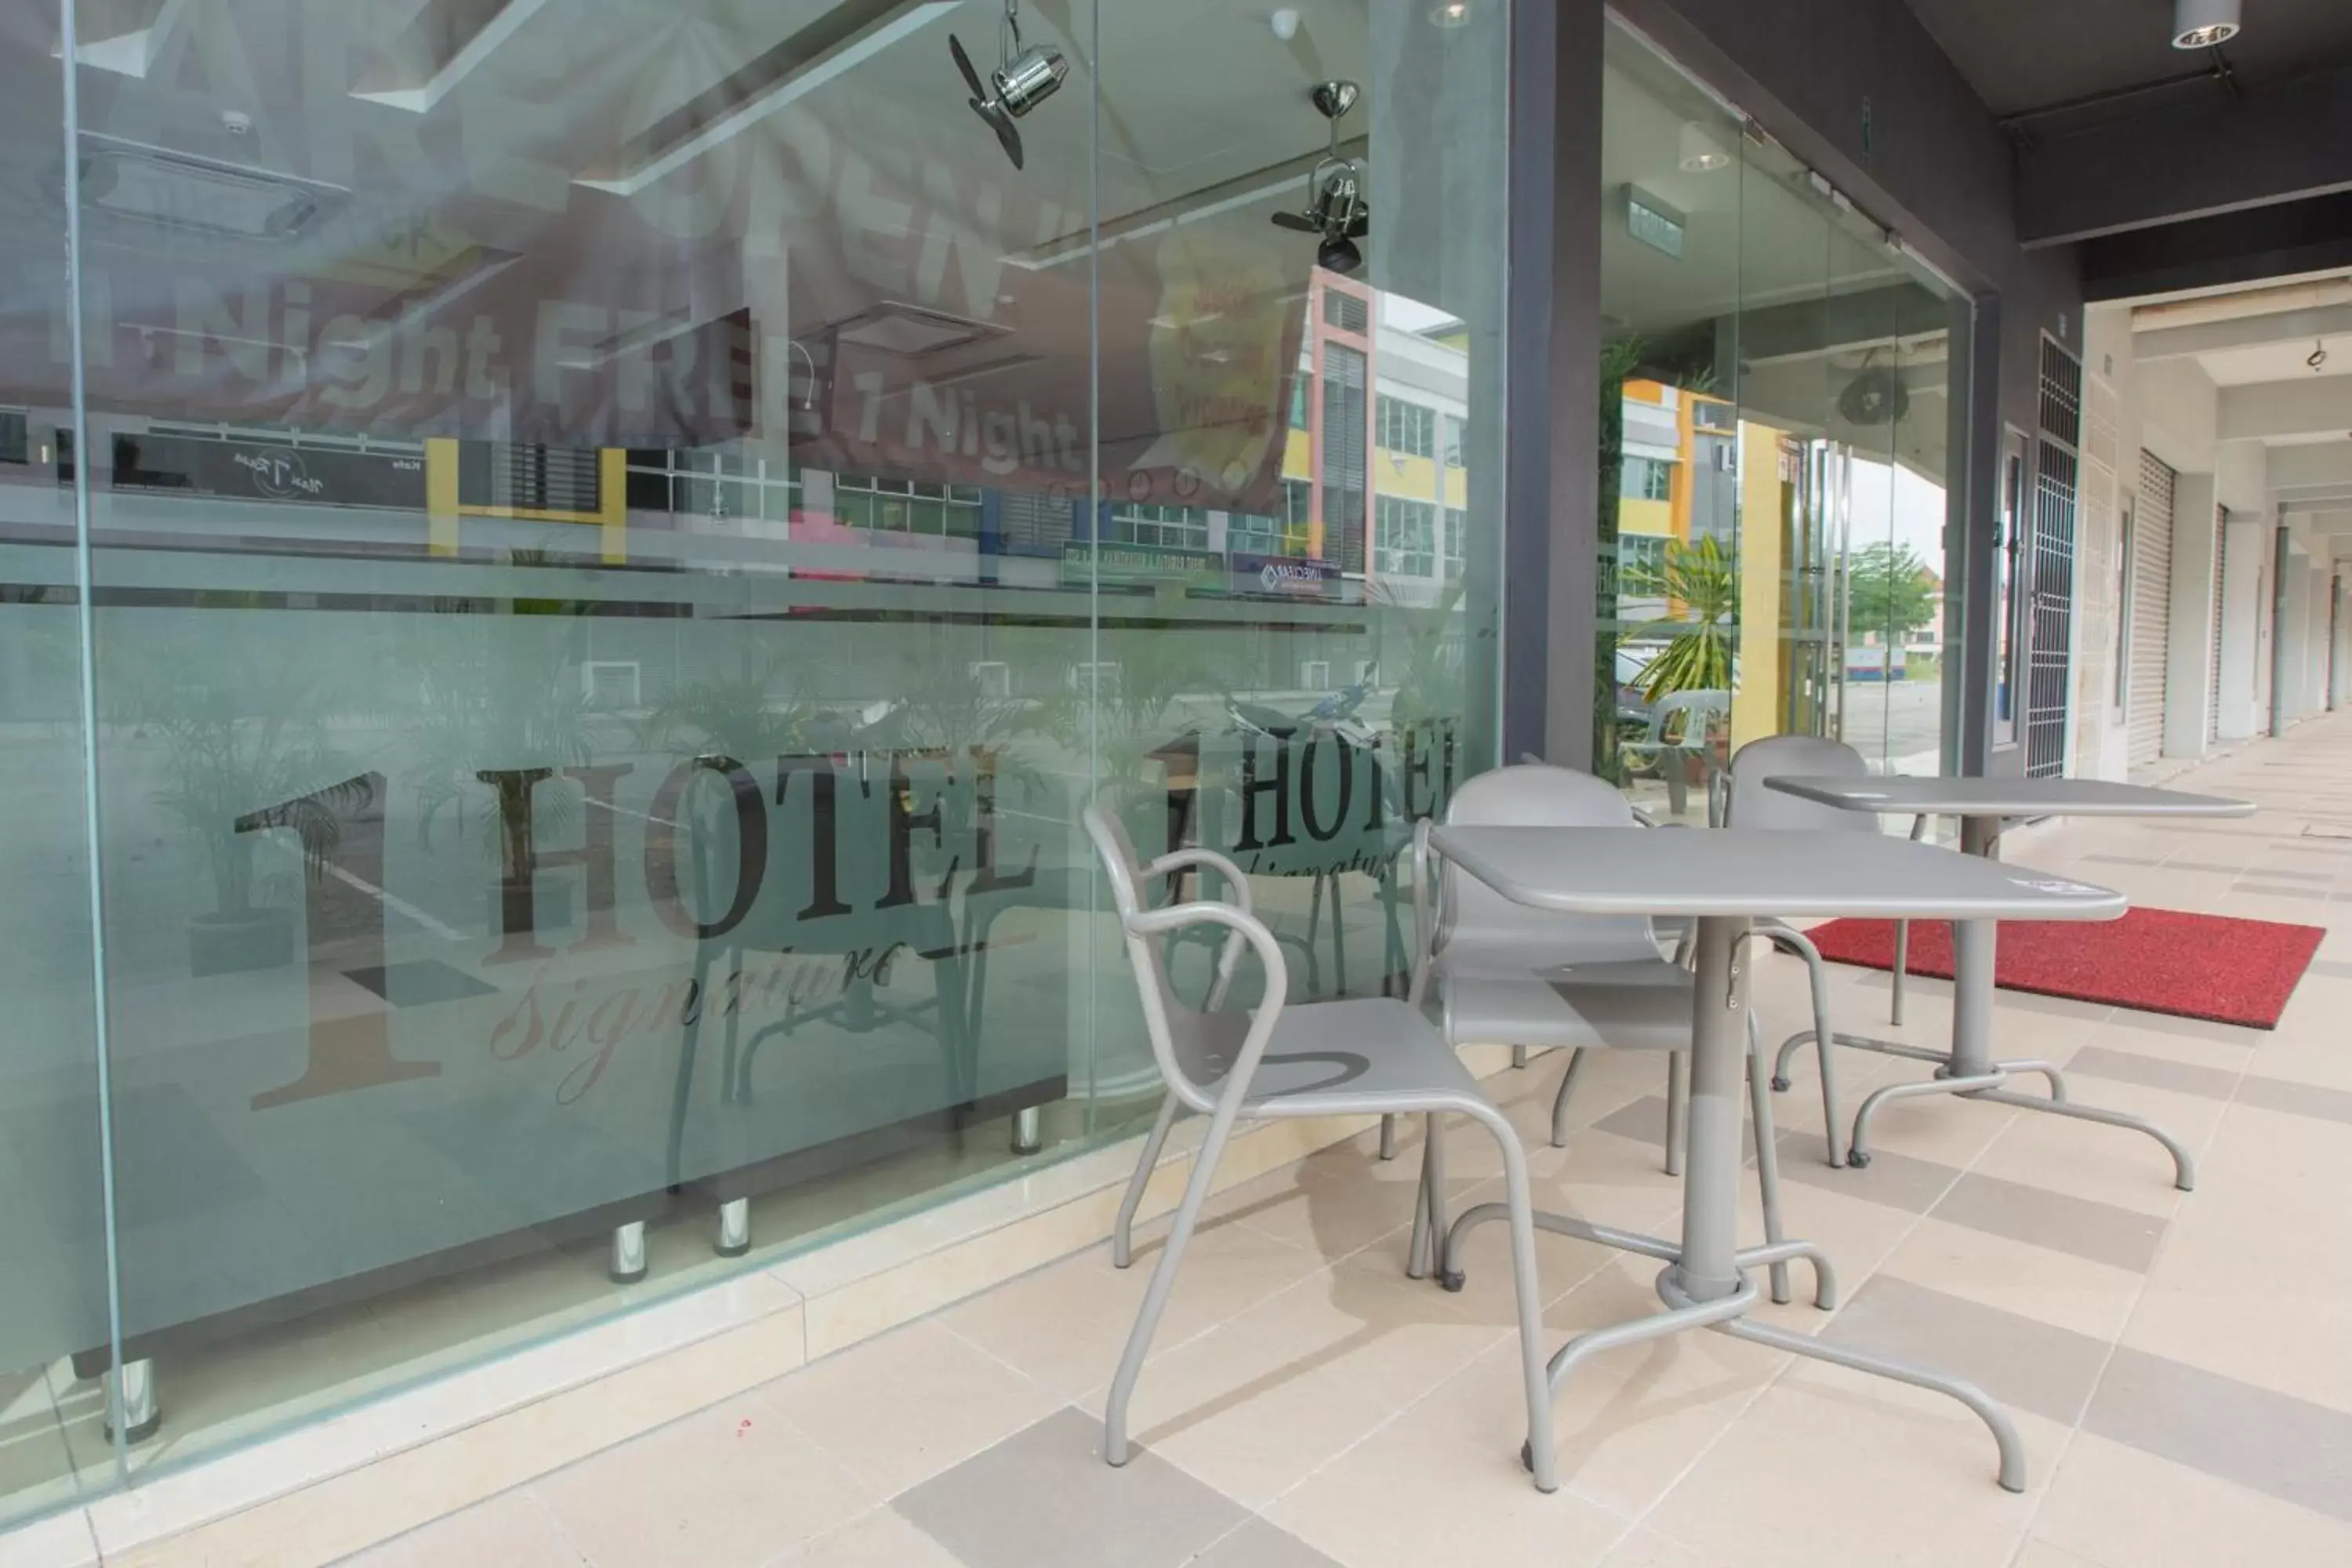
{"type": "Point", "coordinates": [2179, 1365]}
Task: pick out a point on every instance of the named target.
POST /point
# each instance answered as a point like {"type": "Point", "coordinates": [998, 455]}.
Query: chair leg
{"type": "Point", "coordinates": [1817, 977]}
{"type": "Point", "coordinates": [1677, 1110]}
{"type": "Point", "coordinates": [1768, 1157]}
{"type": "Point", "coordinates": [1122, 1253]}
{"type": "Point", "coordinates": [1422, 1258]}
{"type": "Point", "coordinates": [1559, 1100]}
{"type": "Point", "coordinates": [1164, 1279]}
{"type": "Point", "coordinates": [1387, 1137]}
{"type": "Point", "coordinates": [1537, 1454]}
{"type": "Point", "coordinates": [1901, 967]}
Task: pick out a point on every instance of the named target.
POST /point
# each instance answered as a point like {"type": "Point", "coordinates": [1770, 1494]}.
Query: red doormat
{"type": "Point", "coordinates": [2152, 961]}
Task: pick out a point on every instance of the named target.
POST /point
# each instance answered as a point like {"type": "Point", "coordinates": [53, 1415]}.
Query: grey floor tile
{"type": "Point", "coordinates": [2296, 1098]}
{"type": "Point", "coordinates": [2126, 859]}
{"type": "Point", "coordinates": [2033, 1365]}
{"type": "Point", "coordinates": [1259, 1544]}
{"type": "Point", "coordinates": [1644, 1122]}
{"type": "Point", "coordinates": [2280, 891]}
{"type": "Point", "coordinates": [2155, 1072]}
{"type": "Point", "coordinates": [2103, 1233]}
{"type": "Point", "coordinates": [2274, 1443]}
{"type": "Point", "coordinates": [1044, 1499]}
{"type": "Point", "coordinates": [1893, 1181]}
{"type": "Point", "coordinates": [2289, 874]}
{"type": "Point", "coordinates": [2333, 968]}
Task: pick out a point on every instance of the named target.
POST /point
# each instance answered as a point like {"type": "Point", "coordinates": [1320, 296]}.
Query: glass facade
{"type": "Point", "coordinates": [1777, 382]}
{"type": "Point", "coordinates": [571, 568]}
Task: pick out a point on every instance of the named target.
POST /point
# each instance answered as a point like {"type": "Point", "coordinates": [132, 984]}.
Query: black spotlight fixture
{"type": "Point", "coordinates": [1027, 75]}
{"type": "Point", "coordinates": [1336, 208]}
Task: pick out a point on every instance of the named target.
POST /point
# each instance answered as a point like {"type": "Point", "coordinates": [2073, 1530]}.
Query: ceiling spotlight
{"type": "Point", "coordinates": [1450, 14]}
{"type": "Point", "coordinates": [1336, 207]}
{"type": "Point", "coordinates": [1027, 77]}
{"type": "Point", "coordinates": [2318, 356]}
{"type": "Point", "coordinates": [1701, 153]}
{"type": "Point", "coordinates": [2202, 24]}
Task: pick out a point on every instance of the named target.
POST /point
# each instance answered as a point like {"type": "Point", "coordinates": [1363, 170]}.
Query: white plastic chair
{"type": "Point", "coordinates": [1507, 974]}
{"type": "Point", "coordinates": [1375, 1057]}
{"type": "Point", "coordinates": [1748, 803]}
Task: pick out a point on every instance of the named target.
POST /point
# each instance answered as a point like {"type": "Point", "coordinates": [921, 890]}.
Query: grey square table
{"type": "Point", "coordinates": [1983, 805]}
{"type": "Point", "coordinates": [1723, 879]}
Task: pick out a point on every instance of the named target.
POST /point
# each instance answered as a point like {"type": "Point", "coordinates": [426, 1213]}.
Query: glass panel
{"type": "Point", "coordinates": [626, 536]}
{"type": "Point", "coordinates": [596, 656]}
{"type": "Point", "coordinates": [1677, 609]}
{"type": "Point", "coordinates": [53, 1285]}
{"type": "Point", "coordinates": [1774, 452]}
{"type": "Point", "coordinates": [1326, 404]}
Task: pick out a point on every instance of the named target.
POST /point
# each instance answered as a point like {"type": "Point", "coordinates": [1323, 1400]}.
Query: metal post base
{"type": "Point", "coordinates": [627, 1265]}
{"type": "Point", "coordinates": [130, 1406]}
{"type": "Point", "coordinates": [734, 1228]}
{"type": "Point", "coordinates": [1988, 1085]}
{"type": "Point", "coordinates": [1728, 1314]}
{"type": "Point", "coordinates": [1028, 1129]}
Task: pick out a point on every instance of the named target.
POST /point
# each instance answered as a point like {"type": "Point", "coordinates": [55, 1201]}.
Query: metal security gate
{"type": "Point", "coordinates": [2049, 587]}
{"type": "Point", "coordinates": [2221, 567]}
{"type": "Point", "coordinates": [2151, 608]}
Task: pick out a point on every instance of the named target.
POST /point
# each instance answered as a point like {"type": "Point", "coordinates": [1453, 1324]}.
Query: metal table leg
{"type": "Point", "coordinates": [1970, 1068]}
{"type": "Point", "coordinates": [1707, 1285]}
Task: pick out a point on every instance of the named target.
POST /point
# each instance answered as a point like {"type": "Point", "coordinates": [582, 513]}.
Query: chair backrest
{"type": "Point", "coordinates": [1530, 794]}
{"type": "Point", "coordinates": [1698, 709]}
{"type": "Point", "coordinates": [1753, 805]}
{"type": "Point", "coordinates": [1173, 1028]}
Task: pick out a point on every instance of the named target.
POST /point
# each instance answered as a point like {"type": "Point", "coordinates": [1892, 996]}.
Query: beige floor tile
{"type": "Point", "coordinates": [2112, 1166]}
{"type": "Point", "coordinates": [1832, 1467]}
{"type": "Point", "coordinates": [734, 1487]}
{"type": "Point", "coordinates": [897, 1410]}
{"type": "Point", "coordinates": [1067, 1323]}
{"type": "Point", "coordinates": [1333, 1204]}
{"type": "Point", "coordinates": [2039, 1554]}
{"type": "Point", "coordinates": [63, 1540]}
{"type": "Point", "coordinates": [1646, 1548]}
{"type": "Point", "coordinates": [511, 1531]}
{"type": "Point", "coordinates": [878, 1540]}
{"type": "Point", "coordinates": [1442, 1483]}
{"type": "Point", "coordinates": [2288, 1339]}
{"type": "Point", "coordinates": [2127, 1510]}
{"type": "Point", "coordinates": [2036, 1282]}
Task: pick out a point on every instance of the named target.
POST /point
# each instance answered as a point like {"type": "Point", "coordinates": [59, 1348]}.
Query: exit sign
{"type": "Point", "coordinates": [1653, 222]}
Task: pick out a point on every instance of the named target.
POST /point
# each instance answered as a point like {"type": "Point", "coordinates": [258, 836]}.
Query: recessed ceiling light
{"type": "Point", "coordinates": [2201, 23]}
{"type": "Point", "coordinates": [1699, 152]}
{"type": "Point", "coordinates": [1450, 14]}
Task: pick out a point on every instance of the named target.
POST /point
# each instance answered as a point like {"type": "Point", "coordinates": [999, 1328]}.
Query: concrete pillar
{"type": "Point", "coordinates": [2188, 640]}
{"type": "Point", "coordinates": [2242, 614]}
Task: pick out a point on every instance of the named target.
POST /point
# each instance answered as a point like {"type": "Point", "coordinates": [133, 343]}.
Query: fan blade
{"type": "Point", "coordinates": [963, 64]}
{"type": "Point", "coordinates": [1302, 224]}
{"type": "Point", "coordinates": [1006, 136]}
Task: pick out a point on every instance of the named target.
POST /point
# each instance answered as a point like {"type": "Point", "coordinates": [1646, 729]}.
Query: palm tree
{"type": "Point", "coordinates": [1697, 578]}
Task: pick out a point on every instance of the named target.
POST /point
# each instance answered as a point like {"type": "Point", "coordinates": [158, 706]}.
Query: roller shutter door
{"type": "Point", "coordinates": [2151, 607]}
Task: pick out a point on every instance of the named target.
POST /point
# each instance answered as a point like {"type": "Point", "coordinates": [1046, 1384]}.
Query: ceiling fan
{"type": "Point", "coordinates": [1027, 75]}
{"type": "Point", "coordinates": [1336, 208]}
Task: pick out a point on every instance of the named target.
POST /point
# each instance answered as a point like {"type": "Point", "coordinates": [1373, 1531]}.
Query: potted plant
{"type": "Point", "coordinates": [1700, 584]}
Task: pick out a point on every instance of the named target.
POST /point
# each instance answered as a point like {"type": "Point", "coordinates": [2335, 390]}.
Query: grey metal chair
{"type": "Point", "coordinates": [1666, 744]}
{"type": "Point", "coordinates": [1375, 1057]}
{"type": "Point", "coordinates": [1507, 974]}
{"type": "Point", "coordinates": [1748, 803]}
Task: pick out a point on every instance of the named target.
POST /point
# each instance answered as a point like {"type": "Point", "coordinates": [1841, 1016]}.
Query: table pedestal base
{"type": "Point", "coordinates": [1987, 1085]}
{"type": "Point", "coordinates": [1728, 1314]}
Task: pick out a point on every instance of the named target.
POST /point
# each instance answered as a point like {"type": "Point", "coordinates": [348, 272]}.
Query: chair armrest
{"type": "Point", "coordinates": [1229, 957]}
{"type": "Point", "coordinates": [1248, 930]}
{"type": "Point", "coordinates": [1425, 910]}
{"type": "Point", "coordinates": [1184, 859]}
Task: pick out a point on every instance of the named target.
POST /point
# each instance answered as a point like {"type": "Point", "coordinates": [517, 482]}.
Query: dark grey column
{"type": "Point", "coordinates": [1973, 498]}
{"type": "Point", "coordinates": [1553, 315]}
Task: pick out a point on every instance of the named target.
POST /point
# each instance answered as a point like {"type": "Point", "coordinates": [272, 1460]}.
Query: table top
{"type": "Point", "coordinates": [1696, 871]}
{"type": "Point", "coordinates": [1905, 795]}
